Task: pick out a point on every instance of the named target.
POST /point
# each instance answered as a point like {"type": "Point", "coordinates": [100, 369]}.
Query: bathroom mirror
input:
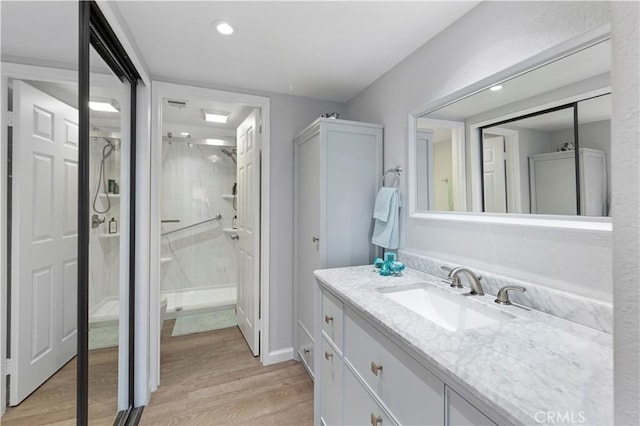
{"type": "Point", "coordinates": [536, 141]}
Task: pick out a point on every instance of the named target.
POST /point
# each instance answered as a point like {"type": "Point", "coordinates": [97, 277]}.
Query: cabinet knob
{"type": "Point", "coordinates": [328, 355]}
{"type": "Point", "coordinates": [328, 319]}
{"type": "Point", "coordinates": [375, 420]}
{"type": "Point", "coordinates": [375, 368]}
{"type": "Point", "coordinates": [306, 351]}
{"type": "Point", "coordinates": [234, 237]}
{"type": "Point", "coordinates": [315, 239]}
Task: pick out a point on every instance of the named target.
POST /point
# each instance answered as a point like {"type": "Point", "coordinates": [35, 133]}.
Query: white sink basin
{"type": "Point", "coordinates": [450, 311]}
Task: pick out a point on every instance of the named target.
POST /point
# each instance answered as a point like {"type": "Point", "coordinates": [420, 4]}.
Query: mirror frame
{"type": "Point", "coordinates": [590, 223]}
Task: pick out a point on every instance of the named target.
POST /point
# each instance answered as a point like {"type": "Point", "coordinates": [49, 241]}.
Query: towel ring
{"type": "Point", "coordinates": [396, 171]}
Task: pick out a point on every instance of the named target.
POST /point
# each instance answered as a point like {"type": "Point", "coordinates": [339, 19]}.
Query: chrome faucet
{"type": "Point", "coordinates": [474, 282]}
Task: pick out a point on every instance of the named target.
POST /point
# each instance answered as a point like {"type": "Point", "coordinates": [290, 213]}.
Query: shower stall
{"type": "Point", "coordinates": [198, 210]}
{"type": "Point", "coordinates": [104, 240]}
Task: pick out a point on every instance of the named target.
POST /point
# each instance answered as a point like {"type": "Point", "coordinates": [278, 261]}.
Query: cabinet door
{"type": "Point", "coordinates": [352, 175]}
{"type": "Point", "coordinates": [332, 368]}
{"type": "Point", "coordinates": [307, 228]}
{"type": "Point", "coordinates": [331, 319]}
{"type": "Point", "coordinates": [460, 413]}
{"type": "Point", "coordinates": [359, 407]}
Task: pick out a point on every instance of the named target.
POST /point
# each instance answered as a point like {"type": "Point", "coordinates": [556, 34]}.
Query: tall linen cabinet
{"type": "Point", "coordinates": [338, 169]}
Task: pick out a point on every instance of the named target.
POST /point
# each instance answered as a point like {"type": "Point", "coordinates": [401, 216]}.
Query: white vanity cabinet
{"type": "Point", "coordinates": [367, 378]}
{"type": "Point", "coordinates": [459, 412]}
{"type": "Point", "coordinates": [338, 168]}
{"type": "Point", "coordinates": [552, 181]}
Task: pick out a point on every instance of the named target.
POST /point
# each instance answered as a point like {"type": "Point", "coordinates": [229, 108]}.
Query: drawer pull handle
{"type": "Point", "coordinates": [328, 319]}
{"type": "Point", "coordinates": [375, 368]}
{"type": "Point", "coordinates": [328, 355]}
{"type": "Point", "coordinates": [375, 420]}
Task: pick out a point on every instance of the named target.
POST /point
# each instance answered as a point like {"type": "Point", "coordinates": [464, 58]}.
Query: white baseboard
{"type": "Point", "coordinates": [280, 355]}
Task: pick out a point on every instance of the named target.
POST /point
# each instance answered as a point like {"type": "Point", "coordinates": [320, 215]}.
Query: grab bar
{"type": "Point", "coordinates": [216, 217]}
{"type": "Point", "coordinates": [170, 221]}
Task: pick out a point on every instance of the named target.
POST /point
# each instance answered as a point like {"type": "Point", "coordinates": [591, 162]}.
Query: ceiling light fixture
{"type": "Point", "coordinates": [496, 88]}
{"type": "Point", "coordinates": [215, 116]}
{"type": "Point", "coordinates": [108, 105]}
{"type": "Point", "coordinates": [223, 27]}
{"type": "Point", "coordinates": [217, 142]}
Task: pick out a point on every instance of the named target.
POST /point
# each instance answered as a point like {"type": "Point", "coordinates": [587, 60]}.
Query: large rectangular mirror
{"type": "Point", "coordinates": [534, 143]}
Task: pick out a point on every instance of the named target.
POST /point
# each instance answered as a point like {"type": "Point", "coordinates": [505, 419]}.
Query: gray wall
{"type": "Point", "coordinates": [576, 261]}
{"type": "Point", "coordinates": [625, 152]}
{"type": "Point", "coordinates": [289, 115]}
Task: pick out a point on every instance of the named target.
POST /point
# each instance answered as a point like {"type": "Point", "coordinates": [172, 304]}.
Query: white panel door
{"type": "Point", "coordinates": [248, 308]}
{"type": "Point", "coordinates": [495, 177]}
{"type": "Point", "coordinates": [44, 238]}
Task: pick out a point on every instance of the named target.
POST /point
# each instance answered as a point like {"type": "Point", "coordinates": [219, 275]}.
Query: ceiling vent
{"type": "Point", "coordinates": [176, 103]}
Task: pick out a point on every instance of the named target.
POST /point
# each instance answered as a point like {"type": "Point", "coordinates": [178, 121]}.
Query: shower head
{"type": "Point", "coordinates": [231, 154]}
{"type": "Point", "coordinates": [108, 148]}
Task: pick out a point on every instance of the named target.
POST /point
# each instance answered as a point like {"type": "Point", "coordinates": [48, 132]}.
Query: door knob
{"type": "Point", "coordinates": [234, 237]}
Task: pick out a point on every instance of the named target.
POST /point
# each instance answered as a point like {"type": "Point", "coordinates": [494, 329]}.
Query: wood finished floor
{"type": "Point", "coordinates": [213, 379]}
{"type": "Point", "coordinates": [54, 402]}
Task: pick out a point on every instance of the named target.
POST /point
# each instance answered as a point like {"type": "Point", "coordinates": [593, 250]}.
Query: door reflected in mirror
{"type": "Point", "coordinates": [537, 144]}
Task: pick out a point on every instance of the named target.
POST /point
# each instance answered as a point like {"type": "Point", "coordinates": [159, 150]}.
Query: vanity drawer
{"type": "Point", "coordinates": [359, 407]}
{"type": "Point", "coordinates": [332, 319]}
{"type": "Point", "coordinates": [304, 347]}
{"type": "Point", "coordinates": [459, 412]}
{"type": "Point", "coordinates": [331, 371]}
{"type": "Point", "coordinates": [410, 391]}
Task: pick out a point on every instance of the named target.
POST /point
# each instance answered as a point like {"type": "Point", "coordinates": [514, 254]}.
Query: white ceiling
{"type": "Point", "coordinates": [189, 119]}
{"type": "Point", "coordinates": [325, 50]}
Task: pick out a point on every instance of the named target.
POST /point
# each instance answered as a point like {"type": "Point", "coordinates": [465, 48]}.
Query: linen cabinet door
{"type": "Point", "coordinates": [307, 245]}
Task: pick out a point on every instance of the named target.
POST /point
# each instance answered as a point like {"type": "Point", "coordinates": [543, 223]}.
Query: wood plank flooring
{"type": "Point", "coordinates": [54, 402]}
{"type": "Point", "coordinates": [213, 379]}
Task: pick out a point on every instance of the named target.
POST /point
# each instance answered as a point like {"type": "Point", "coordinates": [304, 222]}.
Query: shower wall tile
{"type": "Point", "coordinates": [194, 179]}
{"type": "Point", "coordinates": [104, 253]}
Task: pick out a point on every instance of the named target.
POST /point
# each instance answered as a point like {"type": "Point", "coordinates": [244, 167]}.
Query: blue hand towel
{"type": "Point", "coordinates": [383, 203]}
{"type": "Point", "coordinates": [385, 231]}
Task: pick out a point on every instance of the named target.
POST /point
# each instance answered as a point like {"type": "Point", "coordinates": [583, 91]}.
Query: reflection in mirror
{"type": "Point", "coordinates": [538, 143]}
{"type": "Point", "coordinates": [39, 62]}
{"type": "Point", "coordinates": [106, 313]}
{"type": "Point", "coordinates": [510, 148]}
{"type": "Point", "coordinates": [439, 151]}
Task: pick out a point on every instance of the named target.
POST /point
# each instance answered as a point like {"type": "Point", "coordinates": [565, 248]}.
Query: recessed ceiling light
{"type": "Point", "coordinates": [215, 117]}
{"type": "Point", "coordinates": [224, 27]}
{"type": "Point", "coordinates": [496, 88]}
{"type": "Point", "coordinates": [104, 106]}
{"type": "Point", "coordinates": [216, 142]}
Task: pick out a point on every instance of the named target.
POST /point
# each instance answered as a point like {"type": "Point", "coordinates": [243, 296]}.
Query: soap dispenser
{"type": "Point", "coordinates": [113, 226]}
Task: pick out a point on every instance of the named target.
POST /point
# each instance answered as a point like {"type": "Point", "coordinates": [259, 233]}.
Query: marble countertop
{"type": "Point", "coordinates": [535, 363]}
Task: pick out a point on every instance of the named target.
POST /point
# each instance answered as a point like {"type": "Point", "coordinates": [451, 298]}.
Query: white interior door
{"type": "Point", "coordinates": [495, 183]}
{"type": "Point", "coordinates": [44, 238]}
{"type": "Point", "coordinates": [248, 308]}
